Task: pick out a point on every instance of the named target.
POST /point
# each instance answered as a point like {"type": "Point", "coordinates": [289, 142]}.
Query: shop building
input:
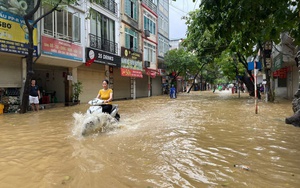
{"type": "Point", "coordinates": [87, 42]}
{"type": "Point", "coordinates": [284, 67]}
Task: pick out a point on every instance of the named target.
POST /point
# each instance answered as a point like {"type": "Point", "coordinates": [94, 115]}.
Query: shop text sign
{"type": "Point", "coordinates": [151, 72]}
{"type": "Point", "coordinates": [131, 73]}
{"type": "Point", "coordinates": [103, 57]}
{"type": "Point", "coordinates": [63, 49]}
{"type": "Point", "coordinates": [131, 60]}
{"type": "Point", "coordinates": [14, 35]}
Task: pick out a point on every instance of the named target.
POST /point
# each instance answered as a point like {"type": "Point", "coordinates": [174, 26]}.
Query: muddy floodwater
{"type": "Point", "coordinates": [193, 141]}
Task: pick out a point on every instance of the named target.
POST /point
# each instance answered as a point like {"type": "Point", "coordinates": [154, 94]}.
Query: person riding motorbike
{"type": "Point", "coordinates": [106, 94]}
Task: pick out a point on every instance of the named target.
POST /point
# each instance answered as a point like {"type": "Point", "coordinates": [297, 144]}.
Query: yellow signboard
{"type": "Point", "coordinates": [13, 28]}
{"type": "Point", "coordinates": [14, 33]}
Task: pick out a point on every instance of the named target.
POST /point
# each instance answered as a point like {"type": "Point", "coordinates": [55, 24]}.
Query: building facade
{"type": "Point", "coordinates": [88, 42]}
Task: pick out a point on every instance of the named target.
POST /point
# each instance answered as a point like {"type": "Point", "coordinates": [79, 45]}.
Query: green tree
{"type": "Point", "coordinates": [176, 62]}
{"type": "Point", "coordinates": [30, 28]}
{"type": "Point", "coordinates": [180, 62]}
{"type": "Point", "coordinates": [238, 26]}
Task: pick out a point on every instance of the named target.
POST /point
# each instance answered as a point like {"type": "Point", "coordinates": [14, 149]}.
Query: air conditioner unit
{"type": "Point", "coordinates": [147, 33]}
{"type": "Point", "coordinates": [147, 63]}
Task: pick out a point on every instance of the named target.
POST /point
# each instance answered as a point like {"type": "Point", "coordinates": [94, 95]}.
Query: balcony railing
{"type": "Point", "coordinates": [150, 5]}
{"type": "Point", "coordinates": [103, 44]}
{"type": "Point", "coordinates": [110, 5]}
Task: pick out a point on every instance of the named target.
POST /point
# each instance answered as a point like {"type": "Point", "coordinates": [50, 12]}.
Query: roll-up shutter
{"type": "Point", "coordinates": [10, 72]}
{"type": "Point", "coordinates": [142, 86]}
{"type": "Point", "coordinates": [156, 86]}
{"type": "Point", "coordinates": [121, 85]}
{"type": "Point", "coordinates": [91, 78]}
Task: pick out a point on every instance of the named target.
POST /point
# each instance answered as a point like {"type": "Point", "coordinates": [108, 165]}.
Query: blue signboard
{"type": "Point", "coordinates": [251, 65]}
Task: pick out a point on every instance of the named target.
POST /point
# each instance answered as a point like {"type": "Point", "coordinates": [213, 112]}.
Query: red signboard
{"type": "Point", "coordinates": [151, 73]}
{"type": "Point", "coordinates": [281, 73]}
{"type": "Point", "coordinates": [131, 73]}
{"type": "Point", "coordinates": [60, 48]}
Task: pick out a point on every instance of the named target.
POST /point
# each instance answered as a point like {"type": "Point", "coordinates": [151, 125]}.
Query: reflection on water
{"type": "Point", "coordinates": [192, 141]}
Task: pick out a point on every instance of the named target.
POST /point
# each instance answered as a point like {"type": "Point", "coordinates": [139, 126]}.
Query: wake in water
{"type": "Point", "coordinates": [87, 124]}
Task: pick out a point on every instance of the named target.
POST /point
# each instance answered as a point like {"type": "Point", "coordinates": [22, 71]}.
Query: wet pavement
{"type": "Point", "coordinates": [192, 141]}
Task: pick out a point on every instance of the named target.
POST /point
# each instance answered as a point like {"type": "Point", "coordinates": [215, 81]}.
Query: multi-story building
{"type": "Point", "coordinates": [88, 42]}
{"type": "Point", "coordinates": [163, 36]}
{"type": "Point", "coordinates": [102, 47]}
{"type": "Point", "coordinates": [139, 41]}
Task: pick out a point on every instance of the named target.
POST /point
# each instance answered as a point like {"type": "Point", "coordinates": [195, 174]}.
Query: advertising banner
{"type": "Point", "coordinates": [151, 73]}
{"type": "Point", "coordinates": [131, 60]}
{"type": "Point", "coordinates": [63, 49]}
{"type": "Point", "coordinates": [14, 34]}
{"type": "Point", "coordinates": [16, 7]}
{"type": "Point", "coordinates": [131, 73]}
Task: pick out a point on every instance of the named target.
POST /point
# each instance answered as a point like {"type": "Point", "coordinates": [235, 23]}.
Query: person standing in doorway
{"type": "Point", "coordinates": [106, 94]}
{"type": "Point", "coordinates": [34, 96]}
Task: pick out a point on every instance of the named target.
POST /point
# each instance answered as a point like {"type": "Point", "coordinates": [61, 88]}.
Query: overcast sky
{"type": "Point", "coordinates": [177, 10]}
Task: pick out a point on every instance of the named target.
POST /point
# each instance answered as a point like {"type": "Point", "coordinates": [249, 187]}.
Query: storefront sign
{"type": "Point", "coordinates": [281, 73]}
{"type": "Point", "coordinates": [131, 55]}
{"type": "Point", "coordinates": [151, 73]}
{"type": "Point", "coordinates": [63, 49]}
{"type": "Point", "coordinates": [131, 73]}
{"type": "Point", "coordinates": [278, 60]}
{"type": "Point", "coordinates": [16, 7]}
{"type": "Point", "coordinates": [131, 60]}
{"type": "Point", "coordinates": [103, 57]}
{"type": "Point", "coordinates": [131, 64]}
{"type": "Point", "coordinates": [14, 34]}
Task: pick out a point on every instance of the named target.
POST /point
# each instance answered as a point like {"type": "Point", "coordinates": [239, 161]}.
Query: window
{"type": "Point", "coordinates": [131, 39]}
{"type": "Point", "coordinates": [149, 52]}
{"type": "Point", "coordinates": [154, 1]}
{"type": "Point", "coordinates": [150, 24]}
{"type": "Point", "coordinates": [108, 4]}
{"type": "Point", "coordinates": [103, 31]}
{"type": "Point", "coordinates": [163, 46]}
{"type": "Point", "coordinates": [63, 25]}
{"type": "Point", "coordinates": [131, 9]}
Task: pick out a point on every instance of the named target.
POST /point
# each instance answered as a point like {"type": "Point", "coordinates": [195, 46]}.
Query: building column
{"type": "Point", "coordinates": [23, 75]}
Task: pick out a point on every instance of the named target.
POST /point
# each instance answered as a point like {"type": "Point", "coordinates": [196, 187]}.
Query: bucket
{"type": "Point", "coordinates": [1, 108]}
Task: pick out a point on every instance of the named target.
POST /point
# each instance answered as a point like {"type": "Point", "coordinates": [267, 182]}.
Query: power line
{"type": "Point", "coordinates": [177, 9]}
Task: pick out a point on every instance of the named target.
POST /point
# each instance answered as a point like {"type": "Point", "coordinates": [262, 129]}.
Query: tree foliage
{"type": "Point", "coordinates": [223, 28]}
{"type": "Point", "coordinates": [239, 25]}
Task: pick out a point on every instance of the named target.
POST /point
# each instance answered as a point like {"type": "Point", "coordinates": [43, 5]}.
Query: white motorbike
{"type": "Point", "coordinates": [96, 107]}
{"type": "Point", "coordinates": [94, 120]}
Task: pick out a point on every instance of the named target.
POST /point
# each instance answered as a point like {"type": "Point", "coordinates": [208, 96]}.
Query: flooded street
{"type": "Point", "coordinates": [190, 142]}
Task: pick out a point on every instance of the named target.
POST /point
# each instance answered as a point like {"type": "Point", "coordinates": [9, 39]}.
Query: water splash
{"type": "Point", "coordinates": [88, 124]}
